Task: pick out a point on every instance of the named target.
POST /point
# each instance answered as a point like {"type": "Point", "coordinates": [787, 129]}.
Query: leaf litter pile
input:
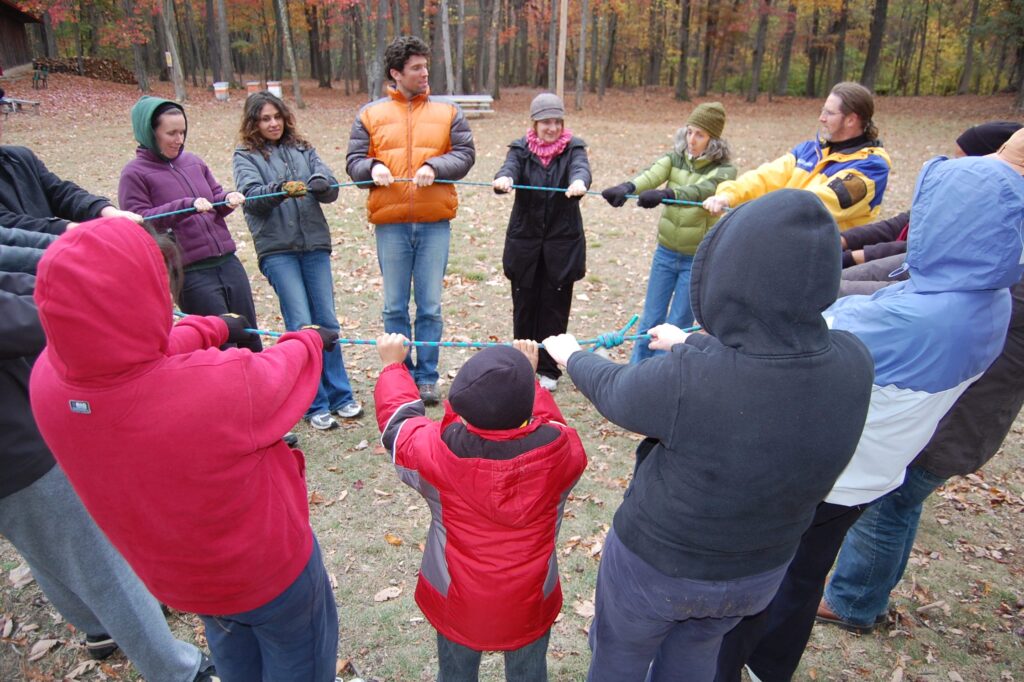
{"type": "Point", "coordinates": [957, 615]}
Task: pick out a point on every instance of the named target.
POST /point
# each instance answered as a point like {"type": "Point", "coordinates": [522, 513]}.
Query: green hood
{"type": "Point", "coordinates": [142, 122]}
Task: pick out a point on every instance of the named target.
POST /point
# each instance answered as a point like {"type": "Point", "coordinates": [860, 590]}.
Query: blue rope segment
{"type": "Point", "coordinates": [537, 188]}
{"type": "Point", "coordinates": [608, 340]}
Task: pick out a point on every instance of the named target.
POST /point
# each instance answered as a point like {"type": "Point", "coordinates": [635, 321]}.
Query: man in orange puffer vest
{"type": "Point", "coordinates": [409, 134]}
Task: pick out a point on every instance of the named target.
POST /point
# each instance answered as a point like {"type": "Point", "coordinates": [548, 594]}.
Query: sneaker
{"type": "Point", "coordinates": [290, 439]}
{"type": "Point", "coordinates": [428, 393]}
{"type": "Point", "coordinates": [100, 646]}
{"type": "Point", "coordinates": [323, 421]}
{"type": "Point", "coordinates": [350, 410]}
{"type": "Point", "coordinates": [826, 615]}
{"type": "Point", "coordinates": [207, 671]}
{"type": "Point", "coordinates": [547, 383]}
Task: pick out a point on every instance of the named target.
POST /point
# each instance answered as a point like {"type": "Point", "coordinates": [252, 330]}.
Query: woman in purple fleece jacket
{"type": "Point", "coordinates": [163, 177]}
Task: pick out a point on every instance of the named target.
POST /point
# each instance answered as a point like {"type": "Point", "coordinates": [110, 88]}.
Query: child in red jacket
{"type": "Point", "coordinates": [495, 472]}
{"type": "Point", "coordinates": [175, 448]}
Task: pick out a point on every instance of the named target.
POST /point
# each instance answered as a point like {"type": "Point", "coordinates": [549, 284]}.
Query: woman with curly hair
{"type": "Point", "coordinates": [291, 235]}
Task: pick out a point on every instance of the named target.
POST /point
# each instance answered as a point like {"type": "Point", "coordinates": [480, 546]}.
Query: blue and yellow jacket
{"type": "Point", "coordinates": [850, 181]}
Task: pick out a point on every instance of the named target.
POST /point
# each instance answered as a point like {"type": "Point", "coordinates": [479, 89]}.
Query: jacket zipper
{"type": "Point", "coordinates": [195, 193]}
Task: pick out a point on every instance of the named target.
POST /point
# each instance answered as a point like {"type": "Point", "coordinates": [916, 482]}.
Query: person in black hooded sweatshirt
{"type": "Point", "coordinates": [748, 426]}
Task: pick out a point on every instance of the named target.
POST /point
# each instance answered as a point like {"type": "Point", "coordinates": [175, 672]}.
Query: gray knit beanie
{"type": "Point", "coordinates": [547, 105]}
{"type": "Point", "coordinates": [710, 117]}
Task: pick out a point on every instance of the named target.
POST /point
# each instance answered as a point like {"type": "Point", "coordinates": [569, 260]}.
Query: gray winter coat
{"type": "Point", "coordinates": [284, 225]}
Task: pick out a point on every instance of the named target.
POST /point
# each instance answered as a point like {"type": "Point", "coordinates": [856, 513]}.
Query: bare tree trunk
{"type": "Point", "coordinates": [870, 73]}
{"type": "Point", "coordinates": [965, 77]}
{"type": "Point", "coordinates": [167, 18]}
{"type": "Point", "coordinates": [710, 34]}
{"type": "Point", "coordinates": [49, 37]}
{"type": "Point", "coordinates": [380, 40]}
{"type": "Point", "coordinates": [595, 40]}
{"type": "Point", "coordinates": [416, 17]}
{"type": "Point", "coordinates": [492, 50]}
{"type": "Point", "coordinates": [446, 41]}
{"type": "Point", "coordinates": [759, 47]}
{"type": "Point", "coordinates": [486, 19]}
{"type": "Point", "coordinates": [813, 55]}
{"type": "Point", "coordinates": [608, 62]}
{"type": "Point", "coordinates": [278, 43]}
{"type": "Point", "coordinates": [396, 17]}
{"type": "Point", "coordinates": [584, 19]}
{"type": "Point", "coordinates": [212, 46]}
{"type": "Point", "coordinates": [842, 25]}
{"type": "Point", "coordinates": [289, 49]}
{"type": "Point", "coordinates": [138, 57]}
{"type": "Point", "coordinates": [552, 44]}
{"type": "Point", "coordinates": [224, 41]}
{"type": "Point", "coordinates": [325, 50]}
{"type": "Point", "coordinates": [522, 44]}
{"type": "Point", "coordinates": [195, 54]}
{"type": "Point", "coordinates": [460, 47]}
{"type": "Point", "coordinates": [924, 40]}
{"type": "Point", "coordinates": [563, 30]}
{"type": "Point", "coordinates": [788, 37]}
{"type": "Point", "coordinates": [682, 87]}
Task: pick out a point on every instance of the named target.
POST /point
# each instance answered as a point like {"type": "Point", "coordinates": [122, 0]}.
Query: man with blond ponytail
{"type": "Point", "coordinates": [845, 165]}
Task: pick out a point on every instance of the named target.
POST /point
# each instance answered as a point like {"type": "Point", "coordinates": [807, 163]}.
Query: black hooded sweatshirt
{"type": "Point", "coordinates": [748, 425]}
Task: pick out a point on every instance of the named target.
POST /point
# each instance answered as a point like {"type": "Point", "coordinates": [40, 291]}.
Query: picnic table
{"type": "Point", "coordinates": [473, 106]}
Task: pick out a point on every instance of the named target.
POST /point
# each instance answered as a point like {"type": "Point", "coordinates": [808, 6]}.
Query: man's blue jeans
{"type": "Point", "coordinates": [876, 550]}
{"type": "Point", "coordinates": [292, 638]}
{"type": "Point", "coordinates": [668, 296]}
{"type": "Point", "coordinates": [305, 290]}
{"type": "Point", "coordinates": [413, 258]}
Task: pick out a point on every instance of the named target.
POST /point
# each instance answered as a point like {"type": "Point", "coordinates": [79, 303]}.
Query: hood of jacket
{"type": "Point", "coordinates": [765, 272]}
{"type": "Point", "coordinates": [142, 122]}
{"type": "Point", "coordinates": [966, 232]}
{"type": "Point", "coordinates": [104, 301]}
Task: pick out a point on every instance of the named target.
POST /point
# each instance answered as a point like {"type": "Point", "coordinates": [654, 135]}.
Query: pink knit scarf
{"type": "Point", "coordinates": [545, 151]}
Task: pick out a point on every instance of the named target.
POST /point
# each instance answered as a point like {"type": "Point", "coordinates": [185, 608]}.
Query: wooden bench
{"type": "Point", "coordinates": [473, 106]}
{"type": "Point", "coordinates": [10, 105]}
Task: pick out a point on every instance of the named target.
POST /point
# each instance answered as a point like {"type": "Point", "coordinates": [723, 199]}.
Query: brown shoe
{"type": "Point", "coordinates": [826, 615]}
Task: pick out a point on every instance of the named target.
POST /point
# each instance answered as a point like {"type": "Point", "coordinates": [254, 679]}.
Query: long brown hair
{"type": "Point", "coordinates": [249, 135]}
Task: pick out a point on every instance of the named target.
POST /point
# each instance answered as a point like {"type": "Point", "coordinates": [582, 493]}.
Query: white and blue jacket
{"type": "Point", "coordinates": [936, 333]}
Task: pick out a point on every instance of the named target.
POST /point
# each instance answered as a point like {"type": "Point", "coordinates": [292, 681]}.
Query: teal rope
{"type": "Point", "coordinates": [358, 183]}
{"type": "Point", "coordinates": [609, 340]}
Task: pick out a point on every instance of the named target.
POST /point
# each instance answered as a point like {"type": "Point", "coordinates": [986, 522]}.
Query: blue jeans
{"type": "Point", "coordinates": [876, 549]}
{"type": "Point", "coordinates": [413, 258]}
{"type": "Point", "coordinates": [668, 296]}
{"type": "Point", "coordinates": [302, 280]}
{"type": "Point", "coordinates": [457, 663]}
{"type": "Point", "coordinates": [649, 625]}
{"type": "Point", "coordinates": [292, 638]}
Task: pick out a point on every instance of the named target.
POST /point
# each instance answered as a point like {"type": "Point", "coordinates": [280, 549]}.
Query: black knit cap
{"type": "Point", "coordinates": [986, 138]}
{"type": "Point", "coordinates": [494, 389]}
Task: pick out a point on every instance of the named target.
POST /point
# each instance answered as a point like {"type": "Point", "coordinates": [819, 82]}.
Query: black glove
{"type": "Point", "coordinates": [653, 197]}
{"type": "Point", "coordinates": [236, 329]}
{"type": "Point", "coordinates": [329, 338]}
{"type": "Point", "coordinates": [276, 188]}
{"type": "Point", "coordinates": [318, 184]}
{"type": "Point", "coordinates": [616, 196]}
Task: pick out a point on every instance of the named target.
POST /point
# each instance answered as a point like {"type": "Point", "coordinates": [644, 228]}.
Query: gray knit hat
{"type": "Point", "coordinates": [710, 117]}
{"type": "Point", "coordinates": [547, 105]}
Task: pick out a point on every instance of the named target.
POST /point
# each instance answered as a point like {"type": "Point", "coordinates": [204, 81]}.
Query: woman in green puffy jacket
{"type": "Point", "coordinates": [692, 171]}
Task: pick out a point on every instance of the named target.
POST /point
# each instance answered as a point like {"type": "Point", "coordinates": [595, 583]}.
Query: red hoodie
{"type": "Point", "coordinates": [173, 445]}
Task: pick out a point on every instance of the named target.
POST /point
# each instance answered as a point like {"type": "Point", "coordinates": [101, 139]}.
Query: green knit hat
{"type": "Point", "coordinates": [710, 117]}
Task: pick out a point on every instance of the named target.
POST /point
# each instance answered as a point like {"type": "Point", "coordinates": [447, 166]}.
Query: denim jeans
{"type": "Point", "coordinates": [413, 258]}
{"type": "Point", "coordinates": [305, 290]}
{"type": "Point", "coordinates": [876, 549]}
{"type": "Point", "coordinates": [649, 624]}
{"type": "Point", "coordinates": [292, 638]}
{"type": "Point", "coordinates": [457, 663]}
{"type": "Point", "coordinates": [668, 296]}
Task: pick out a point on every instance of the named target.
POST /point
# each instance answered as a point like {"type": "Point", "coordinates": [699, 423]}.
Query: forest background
{"type": "Point", "coordinates": [695, 47]}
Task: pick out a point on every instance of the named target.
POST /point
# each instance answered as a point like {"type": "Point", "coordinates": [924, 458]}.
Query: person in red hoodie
{"type": "Point", "coordinates": [495, 472]}
{"type": "Point", "coordinates": [207, 503]}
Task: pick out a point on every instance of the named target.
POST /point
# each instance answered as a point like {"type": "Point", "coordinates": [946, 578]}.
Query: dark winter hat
{"type": "Point", "coordinates": [494, 389]}
{"type": "Point", "coordinates": [709, 116]}
{"type": "Point", "coordinates": [547, 105]}
{"type": "Point", "coordinates": [986, 138]}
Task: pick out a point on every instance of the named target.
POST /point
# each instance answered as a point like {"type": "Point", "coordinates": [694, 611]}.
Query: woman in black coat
{"type": "Point", "coordinates": [545, 250]}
